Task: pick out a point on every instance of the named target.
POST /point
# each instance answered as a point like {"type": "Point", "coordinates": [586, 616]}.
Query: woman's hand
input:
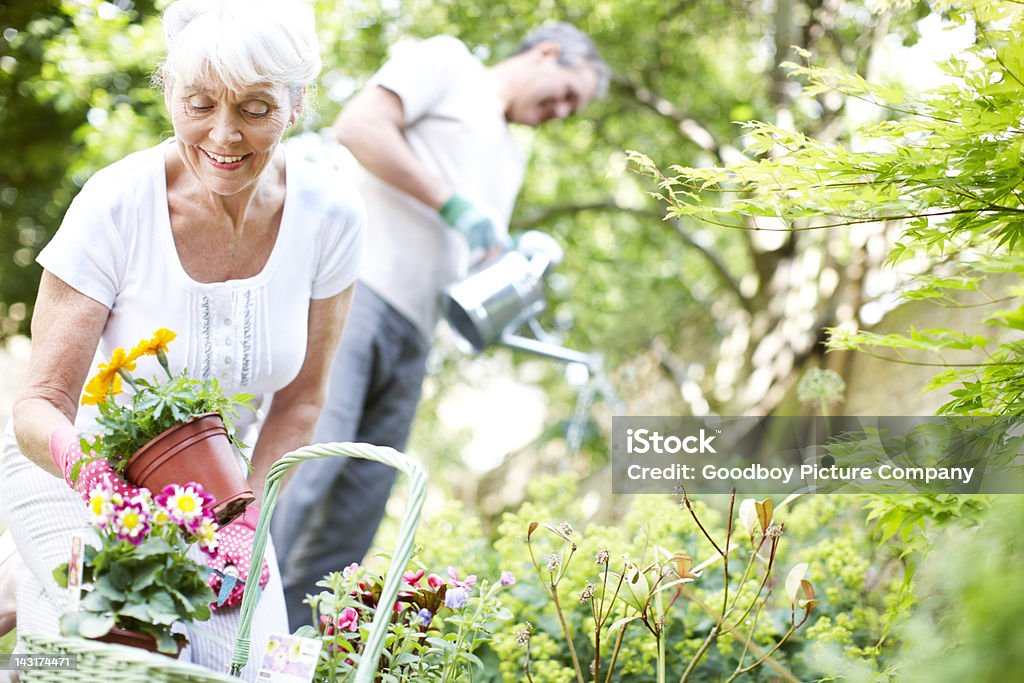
{"type": "Point", "coordinates": [234, 546]}
{"type": "Point", "coordinates": [66, 451]}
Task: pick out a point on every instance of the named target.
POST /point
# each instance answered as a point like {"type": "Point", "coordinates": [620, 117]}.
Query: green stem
{"type": "Point", "coordinates": [753, 628]}
{"type": "Point", "coordinates": [162, 358]}
{"type": "Point", "coordinates": [785, 673]}
{"type": "Point", "coordinates": [127, 377]}
{"type": "Point", "coordinates": [700, 653]}
{"type": "Point", "coordinates": [615, 652]}
{"type": "Point", "coordinates": [725, 557]}
{"type": "Point", "coordinates": [746, 570]}
{"type": "Point", "coordinates": [764, 580]}
{"type": "Point", "coordinates": [565, 632]}
{"type": "Point", "coordinates": [464, 629]}
{"type": "Point", "coordinates": [660, 628]}
{"type": "Point", "coordinates": [661, 658]}
{"type": "Point", "coordinates": [792, 629]}
{"type": "Point", "coordinates": [739, 672]}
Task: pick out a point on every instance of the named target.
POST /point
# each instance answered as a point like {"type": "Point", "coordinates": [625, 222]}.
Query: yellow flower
{"type": "Point", "coordinates": [151, 347]}
{"type": "Point", "coordinates": [107, 381]}
{"type": "Point", "coordinates": [100, 387]}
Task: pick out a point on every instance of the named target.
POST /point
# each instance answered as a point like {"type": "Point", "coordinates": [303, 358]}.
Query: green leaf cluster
{"type": "Point", "coordinates": [155, 407]}
{"type": "Point", "coordinates": [855, 578]}
{"type": "Point", "coordinates": [145, 588]}
{"type": "Point", "coordinates": [944, 165]}
{"type": "Point", "coordinates": [428, 639]}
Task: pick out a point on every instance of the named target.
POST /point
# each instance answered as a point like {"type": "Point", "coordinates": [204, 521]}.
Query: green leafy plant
{"type": "Point", "coordinates": [646, 593]}
{"type": "Point", "coordinates": [436, 626]}
{"type": "Point", "coordinates": [139, 576]}
{"type": "Point", "coordinates": [155, 406]}
{"type": "Point", "coordinates": [942, 167]}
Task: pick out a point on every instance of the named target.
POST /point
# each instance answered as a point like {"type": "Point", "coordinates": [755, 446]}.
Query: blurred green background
{"type": "Point", "coordinates": [690, 318]}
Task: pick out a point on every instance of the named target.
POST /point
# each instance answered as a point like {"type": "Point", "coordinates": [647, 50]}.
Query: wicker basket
{"type": "Point", "coordinates": [100, 661]}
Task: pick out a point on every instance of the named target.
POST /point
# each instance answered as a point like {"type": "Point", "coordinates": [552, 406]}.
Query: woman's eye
{"type": "Point", "coordinates": [256, 108]}
{"type": "Point", "coordinates": [199, 105]}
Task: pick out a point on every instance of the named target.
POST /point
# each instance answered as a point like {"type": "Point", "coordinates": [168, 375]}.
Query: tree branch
{"type": "Point", "coordinates": [692, 129]}
{"type": "Point", "coordinates": [542, 216]}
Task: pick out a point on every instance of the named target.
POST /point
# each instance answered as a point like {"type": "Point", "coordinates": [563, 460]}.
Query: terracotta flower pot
{"type": "Point", "coordinates": [199, 451]}
{"type": "Point", "coordinates": [143, 641]}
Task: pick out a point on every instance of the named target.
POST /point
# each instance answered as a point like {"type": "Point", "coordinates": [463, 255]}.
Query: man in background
{"type": "Point", "coordinates": [440, 175]}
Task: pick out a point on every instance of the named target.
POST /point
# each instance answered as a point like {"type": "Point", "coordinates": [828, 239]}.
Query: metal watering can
{"type": "Point", "coordinates": [507, 292]}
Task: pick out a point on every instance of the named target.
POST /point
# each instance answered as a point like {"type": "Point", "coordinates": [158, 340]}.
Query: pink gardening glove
{"type": "Point", "coordinates": [66, 450]}
{"type": "Point", "coordinates": [234, 545]}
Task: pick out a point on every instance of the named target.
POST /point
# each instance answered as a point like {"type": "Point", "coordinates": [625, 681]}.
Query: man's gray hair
{"type": "Point", "coordinates": [575, 47]}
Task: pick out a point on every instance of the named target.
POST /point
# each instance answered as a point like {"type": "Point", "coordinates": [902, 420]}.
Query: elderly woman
{"type": "Point", "coordinates": [245, 250]}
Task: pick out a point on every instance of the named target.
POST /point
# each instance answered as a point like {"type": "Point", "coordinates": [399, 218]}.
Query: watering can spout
{"type": "Point", "coordinates": [592, 361]}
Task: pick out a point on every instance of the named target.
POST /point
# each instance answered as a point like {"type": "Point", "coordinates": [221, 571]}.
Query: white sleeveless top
{"type": "Point", "coordinates": [115, 246]}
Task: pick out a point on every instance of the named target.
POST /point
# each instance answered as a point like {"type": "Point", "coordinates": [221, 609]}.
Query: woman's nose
{"type": "Point", "coordinates": [225, 127]}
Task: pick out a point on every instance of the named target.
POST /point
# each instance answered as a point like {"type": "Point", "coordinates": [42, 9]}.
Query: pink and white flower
{"type": "Point", "coordinates": [185, 504]}
{"type": "Point", "coordinates": [101, 505]}
{"type": "Point", "coordinates": [206, 535]}
{"type": "Point", "coordinates": [131, 520]}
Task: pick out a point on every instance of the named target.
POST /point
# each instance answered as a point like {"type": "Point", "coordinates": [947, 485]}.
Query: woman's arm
{"type": "Point", "coordinates": [294, 411]}
{"type": "Point", "coordinates": [66, 328]}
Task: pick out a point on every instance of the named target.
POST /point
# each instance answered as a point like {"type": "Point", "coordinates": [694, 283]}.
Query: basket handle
{"type": "Point", "coordinates": [399, 559]}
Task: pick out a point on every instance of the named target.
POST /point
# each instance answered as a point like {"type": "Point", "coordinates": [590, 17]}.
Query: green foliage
{"type": "Point", "coordinates": [946, 168]}
{"type": "Point", "coordinates": [139, 577]}
{"type": "Point", "coordinates": [74, 97]}
{"type": "Point", "coordinates": [155, 406]}
{"type": "Point", "coordinates": [437, 626]}
{"type": "Point", "coordinates": [967, 625]}
{"type": "Point", "coordinates": [852, 576]}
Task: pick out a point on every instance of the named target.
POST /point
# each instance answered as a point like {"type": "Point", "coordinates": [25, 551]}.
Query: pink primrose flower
{"type": "Point", "coordinates": [413, 577]}
{"type": "Point", "coordinates": [185, 503]}
{"type": "Point", "coordinates": [206, 535]}
{"type": "Point", "coordinates": [348, 619]}
{"type": "Point", "coordinates": [131, 521]}
{"type": "Point", "coordinates": [467, 583]}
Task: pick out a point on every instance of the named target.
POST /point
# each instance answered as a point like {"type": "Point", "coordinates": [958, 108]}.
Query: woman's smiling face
{"type": "Point", "coordinates": [227, 138]}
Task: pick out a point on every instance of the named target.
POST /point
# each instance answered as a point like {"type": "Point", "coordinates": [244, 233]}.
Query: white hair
{"type": "Point", "coordinates": [241, 43]}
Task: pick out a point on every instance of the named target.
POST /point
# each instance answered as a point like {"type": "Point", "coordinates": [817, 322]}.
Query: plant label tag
{"type": "Point", "coordinates": [289, 659]}
{"type": "Point", "coordinates": [75, 566]}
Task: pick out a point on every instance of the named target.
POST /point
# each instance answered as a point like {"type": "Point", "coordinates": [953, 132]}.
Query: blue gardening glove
{"type": "Point", "coordinates": [476, 226]}
{"type": "Point", "coordinates": [230, 562]}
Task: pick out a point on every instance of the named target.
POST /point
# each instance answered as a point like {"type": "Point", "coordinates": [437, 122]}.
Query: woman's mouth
{"type": "Point", "coordinates": [225, 161]}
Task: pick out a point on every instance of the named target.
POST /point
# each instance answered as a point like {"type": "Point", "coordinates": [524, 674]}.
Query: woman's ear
{"type": "Point", "coordinates": [300, 101]}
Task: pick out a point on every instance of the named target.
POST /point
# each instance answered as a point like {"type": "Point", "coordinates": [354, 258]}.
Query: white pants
{"type": "Point", "coordinates": [42, 513]}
